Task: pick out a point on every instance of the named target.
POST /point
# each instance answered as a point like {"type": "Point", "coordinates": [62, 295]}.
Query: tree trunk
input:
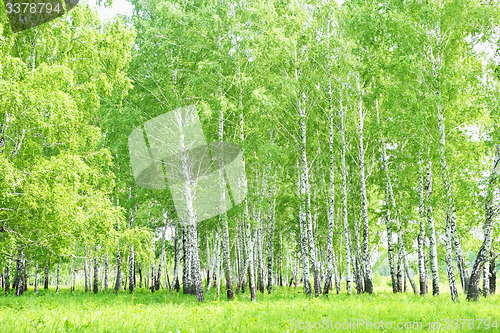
{"type": "Point", "coordinates": [310, 233]}
{"type": "Point", "coordinates": [484, 251]}
{"type": "Point", "coordinates": [331, 198]}
{"type": "Point", "coordinates": [347, 234]}
{"type": "Point", "coordinates": [86, 269]}
{"type": "Point", "coordinates": [217, 267]}
{"type": "Point", "coordinates": [227, 258]}
{"type": "Point", "coordinates": [358, 273]}
{"type": "Point", "coordinates": [162, 257]}
{"type": "Point", "coordinates": [7, 277]}
{"type": "Point", "coordinates": [95, 285]}
{"type": "Point", "coordinates": [186, 265]}
{"type": "Point", "coordinates": [223, 217]}
{"type": "Point", "coordinates": [140, 275]}
{"type": "Point", "coordinates": [118, 272]}
{"type": "Point", "coordinates": [422, 272]}
{"type": "Point", "coordinates": [153, 267]}
{"type": "Point", "coordinates": [432, 232]}
{"type": "Point", "coordinates": [486, 279]}
{"type": "Point", "coordinates": [450, 214]}
{"type": "Point", "coordinates": [106, 267]}
{"type": "Point", "coordinates": [19, 280]}
{"type": "Point", "coordinates": [270, 235]}
{"type": "Point", "coordinates": [400, 277]}
{"type": "Point", "coordinates": [388, 220]}
{"type": "Point", "coordinates": [366, 266]}
{"type": "Point", "coordinates": [195, 263]}
{"type": "Point", "coordinates": [46, 277]}
{"type": "Point", "coordinates": [131, 270]}
{"type": "Point", "coordinates": [493, 274]}
{"type": "Point", "coordinates": [303, 194]}
{"type": "Point", "coordinates": [250, 256]}
{"type": "Point", "coordinates": [36, 278]}
{"type": "Point", "coordinates": [177, 259]}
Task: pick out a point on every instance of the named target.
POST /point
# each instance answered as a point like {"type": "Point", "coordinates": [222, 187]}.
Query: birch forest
{"type": "Point", "coordinates": [369, 134]}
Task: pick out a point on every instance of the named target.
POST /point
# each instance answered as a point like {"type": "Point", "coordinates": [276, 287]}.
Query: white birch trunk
{"type": "Point", "coordinates": [86, 269]}
{"type": "Point", "coordinates": [95, 286]}
{"type": "Point", "coordinates": [106, 269]}
{"type": "Point", "coordinates": [347, 235]}
{"type": "Point", "coordinates": [432, 232]}
{"type": "Point", "coordinates": [366, 266]}
{"type": "Point", "coordinates": [422, 272]}
{"type": "Point", "coordinates": [483, 255]}
{"type": "Point", "coordinates": [36, 277]}
{"type": "Point", "coordinates": [388, 220]}
{"type": "Point", "coordinates": [131, 270]}
{"type": "Point", "coordinates": [304, 239]}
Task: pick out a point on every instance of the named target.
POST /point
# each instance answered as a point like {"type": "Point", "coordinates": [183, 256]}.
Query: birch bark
{"type": "Point", "coordinates": [483, 254]}
{"type": "Point", "coordinates": [432, 232]}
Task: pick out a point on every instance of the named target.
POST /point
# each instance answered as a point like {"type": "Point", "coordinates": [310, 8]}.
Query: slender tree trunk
{"type": "Point", "coordinates": [250, 256]}
{"type": "Point", "coordinates": [493, 274]}
{"type": "Point", "coordinates": [484, 251]}
{"type": "Point", "coordinates": [310, 233]}
{"type": "Point", "coordinates": [86, 269]}
{"type": "Point", "coordinates": [58, 276]}
{"type": "Point", "coordinates": [140, 275]}
{"type": "Point", "coordinates": [186, 265]}
{"type": "Point", "coordinates": [366, 266]}
{"type": "Point", "coordinates": [270, 235]}
{"type": "Point", "coordinates": [432, 232]}
{"type": "Point", "coordinates": [153, 267]}
{"type": "Point", "coordinates": [450, 212]}
{"type": "Point", "coordinates": [118, 272]}
{"type": "Point", "coordinates": [227, 257]}
{"type": "Point", "coordinates": [210, 265]}
{"type": "Point", "coordinates": [400, 276]}
{"type": "Point", "coordinates": [358, 274]}
{"type": "Point", "coordinates": [95, 285]}
{"type": "Point", "coordinates": [331, 198]}
{"type": "Point", "coordinates": [46, 277]}
{"type": "Point", "coordinates": [36, 278]}
{"type": "Point", "coordinates": [259, 237]}
{"type": "Point", "coordinates": [388, 220]}
{"type": "Point", "coordinates": [162, 255]}
{"type": "Point", "coordinates": [223, 218]}
{"type": "Point", "coordinates": [7, 277]}
{"type": "Point", "coordinates": [347, 235]}
{"type": "Point", "coordinates": [218, 263]}
{"type": "Point", "coordinates": [195, 262]}
{"type": "Point", "coordinates": [19, 280]}
{"type": "Point", "coordinates": [486, 278]}
{"type": "Point", "coordinates": [422, 272]}
{"type": "Point", "coordinates": [306, 280]}
{"type": "Point", "coordinates": [106, 268]}
{"type": "Point", "coordinates": [131, 270]}
{"type": "Point", "coordinates": [153, 276]}
{"type": "Point", "coordinates": [177, 258]}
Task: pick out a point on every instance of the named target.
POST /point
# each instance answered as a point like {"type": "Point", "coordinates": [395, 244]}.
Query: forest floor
{"type": "Point", "coordinates": [286, 310]}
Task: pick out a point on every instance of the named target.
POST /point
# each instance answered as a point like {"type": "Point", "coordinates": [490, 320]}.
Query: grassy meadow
{"type": "Point", "coordinates": [281, 311]}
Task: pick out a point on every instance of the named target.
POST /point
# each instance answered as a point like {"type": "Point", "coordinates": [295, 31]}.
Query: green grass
{"type": "Point", "coordinates": [172, 312]}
